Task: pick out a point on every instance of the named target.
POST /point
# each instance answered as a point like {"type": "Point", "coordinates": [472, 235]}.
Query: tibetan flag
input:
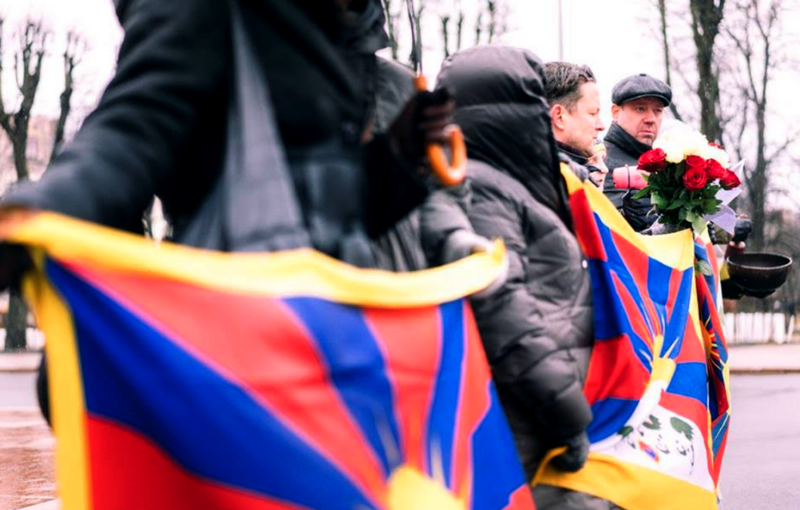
{"type": "Point", "coordinates": [187, 379]}
{"type": "Point", "coordinates": [658, 375]}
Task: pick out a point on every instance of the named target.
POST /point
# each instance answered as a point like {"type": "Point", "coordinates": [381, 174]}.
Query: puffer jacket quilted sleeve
{"type": "Point", "coordinates": [537, 328]}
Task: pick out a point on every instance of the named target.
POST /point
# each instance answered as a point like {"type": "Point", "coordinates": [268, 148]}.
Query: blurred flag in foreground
{"type": "Point", "coordinates": [184, 379]}
{"type": "Point", "coordinates": [658, 376]}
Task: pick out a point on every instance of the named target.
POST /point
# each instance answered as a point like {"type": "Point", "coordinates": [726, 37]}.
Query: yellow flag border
{"type": "Point", "coordinates": [303, 272]}
{"type": "Point", "coordinates": [67, 405]}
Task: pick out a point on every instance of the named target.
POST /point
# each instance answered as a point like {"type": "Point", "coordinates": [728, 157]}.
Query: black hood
{"type": "Point", "coordinates": [364, 27]}
{"type": "Point", "coordinates": [501, 107]}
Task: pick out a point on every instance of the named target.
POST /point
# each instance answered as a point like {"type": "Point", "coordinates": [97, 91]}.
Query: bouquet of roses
{"type": "Point", "coordinates": [684, 174]}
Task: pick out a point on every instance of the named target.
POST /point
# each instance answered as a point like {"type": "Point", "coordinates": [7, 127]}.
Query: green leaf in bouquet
{"type": "Point", "coordinates": [641, 193]}
{"type": "Point", "coordinates": [710, 204]}
{"type": "Point", "coordinates": [682, 214]}
{"type": "Point", "coordinates": [690, 216]}
{"type": "Point", "coordinates": [699, 224]}
{"type": "Point", "coordinates": [676, 204]}
{"type": "Point", "coordinates": [659, 201]}
{"type": "Point", "coordinates": [703, 267]}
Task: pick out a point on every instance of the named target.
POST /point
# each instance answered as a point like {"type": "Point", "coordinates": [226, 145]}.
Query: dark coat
{"type": "Point", "coordinates": [537, 329]}
{"type": "Point", "coordinates": [159, 128]}
{"type": "Point", "coordinates": [623, 149]}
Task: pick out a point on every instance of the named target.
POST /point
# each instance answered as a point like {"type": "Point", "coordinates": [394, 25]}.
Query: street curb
{"type": "Point", "coordinates": [47, 505]}
{"type": "Point", "coordinates": [20, 361]}
{"type": "Point", "coordinates": [765, 371]}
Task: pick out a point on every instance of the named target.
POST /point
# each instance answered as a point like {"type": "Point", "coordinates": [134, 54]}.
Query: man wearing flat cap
{"type": "Point", "coordinates": [637, 110]}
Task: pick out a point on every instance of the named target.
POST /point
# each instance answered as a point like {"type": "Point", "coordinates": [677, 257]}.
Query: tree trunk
{"type": "Point", "coordinates": [758, 185]}
{"type": "Point", "coordinates": [19, 144]}
{"type": "Point", "coordinates": [66, 96]}
{"type": "Point", "coordinates": [446, 35]}
{"type": "Point", "coordinates": [706, 19]}
{"type": "Point", "coordinates": [16, 322]}
{"type": "Point", "coordinates": [459, 29]}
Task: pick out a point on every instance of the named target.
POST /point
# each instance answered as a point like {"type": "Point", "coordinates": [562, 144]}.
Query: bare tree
{"type": "Point", "coordinates": [459, 27]}
{"type": "Point", "coordinates": [445, 20]}
{"type": "Point", "coordinates": [479, 26]}
{"type": "Point", "coordinates": [392, 19]}
{"type": "Point", "coordinates": [73, 52]}
{"type": "Point", "coordinates": [416, 53]}
{"type": "Point", "coordinates": [665, 42]}
{"type": "Point", "coordinates": [706, 19]}
{"type": "Point", "coordinates": [28, 71]}
{"type": "Point", "coordinates": [492, 25]}
{"type": "Point", "coordinates": [754, 38]}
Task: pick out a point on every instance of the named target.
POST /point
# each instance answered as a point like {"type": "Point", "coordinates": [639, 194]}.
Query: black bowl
{"type": "Point", "coordinates": [759, 274]}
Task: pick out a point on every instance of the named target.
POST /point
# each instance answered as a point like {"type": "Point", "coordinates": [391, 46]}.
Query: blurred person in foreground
{"type": "Point", "coordinates": [160, 129]}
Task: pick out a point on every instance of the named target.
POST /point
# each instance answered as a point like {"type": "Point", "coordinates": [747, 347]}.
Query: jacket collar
{"type": "Point", "coordinates": [573, 153]}
{"type": "Point", "coordinates": [618, 136]}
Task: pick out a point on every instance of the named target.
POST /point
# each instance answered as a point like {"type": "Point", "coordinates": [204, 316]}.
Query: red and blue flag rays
{"type": "Point", "coordinates": [147, 385]}
{"type": "Point", "coordinates": [484, 456]}
{"type": "Point", "coordinates": [718, 400]}
{"type": "Point", "coordinates": [329, 407]}
{"type": "Point", "coordinates": [638, 320]}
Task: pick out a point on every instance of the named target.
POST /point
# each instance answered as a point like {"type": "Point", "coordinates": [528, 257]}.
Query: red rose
{"type": "Point", "coordinates": [695, 179]}
{"type": "Point", "coordinates": [714, 170]}
{"type": "Point", "coordinates": [714, 144]}
{"type": "Point", "coordinates": [730, 180]}
{"type": "Point", "coordinates": [653, 160]}
{"type": "Point", "coordinates": [696, 163]}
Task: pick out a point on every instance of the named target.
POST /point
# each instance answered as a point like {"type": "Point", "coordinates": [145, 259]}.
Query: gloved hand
{"type": "Point", "coordinates": [742, 229]}
{"type": "Point", "coordinates": [463, 243]}
{"type": "Point", "coordinates": [575, 457]}
{"type": "Point", "coordinates": [423, 120]}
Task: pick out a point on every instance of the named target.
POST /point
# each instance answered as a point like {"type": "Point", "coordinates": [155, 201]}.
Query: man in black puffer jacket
{"type": "Point", "coordinates": [537, 328]}
{"type": "Point", "coordinates": [637, 110]}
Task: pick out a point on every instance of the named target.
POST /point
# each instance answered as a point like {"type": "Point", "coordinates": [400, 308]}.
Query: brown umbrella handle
{"type": "Point", "coordinates": [449, 173]}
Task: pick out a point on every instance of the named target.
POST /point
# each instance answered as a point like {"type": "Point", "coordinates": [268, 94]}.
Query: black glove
{"type": "Point", "coordinates": [575, 457]}
{"type": "Point", "coordinates": [422, 121]}
{"type": "Point", "coordinates": [636, 211]}
{"type": "Point", "coordinates": [742, 229]}
{"type": "Point", "coordinates": [14, 261]}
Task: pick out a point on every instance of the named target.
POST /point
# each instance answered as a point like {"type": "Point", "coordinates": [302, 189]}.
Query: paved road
{"type": "Point", "coordinates": [762, 463]}
{"type": "Point", "coordinates": [17, 389]}
{"type": "Point", "coordinates": [761, 471]}
{"type": "Point", "coordinates": [26, 445]}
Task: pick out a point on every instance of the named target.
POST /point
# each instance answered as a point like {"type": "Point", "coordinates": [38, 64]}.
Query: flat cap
{"type": "Point", "coordinates": [638, 86]}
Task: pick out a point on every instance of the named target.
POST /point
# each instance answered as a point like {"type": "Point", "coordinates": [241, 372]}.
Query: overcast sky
{"type": "Point", "coordinates": [607, 35]}
{"type": "Point", "coordinates": [614, 37]}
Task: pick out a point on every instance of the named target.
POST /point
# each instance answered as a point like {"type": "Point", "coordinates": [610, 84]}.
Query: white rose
{"type": "Point", "coordinates": [694, 143]}
{"type": "Point", "coordinates": [672, 148]}
{"type": "Point", "coordinates": [711, 152]}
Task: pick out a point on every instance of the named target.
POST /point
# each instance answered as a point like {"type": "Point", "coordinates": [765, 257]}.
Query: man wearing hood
{"type": "Point", "coordinates": [537, 327]}
{"type": "Point", "coordinates": [637, 110]}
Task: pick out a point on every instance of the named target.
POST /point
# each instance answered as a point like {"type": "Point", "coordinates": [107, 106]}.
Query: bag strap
{"type": "Point", "coordinates": [261, 209]}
